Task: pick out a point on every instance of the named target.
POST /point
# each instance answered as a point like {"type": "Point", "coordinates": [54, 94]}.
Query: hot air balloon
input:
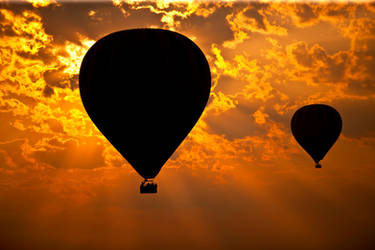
{"type": "Point", "coordinates": [145, 89]}
{"type": "Point", "coordinates": [316, 128]}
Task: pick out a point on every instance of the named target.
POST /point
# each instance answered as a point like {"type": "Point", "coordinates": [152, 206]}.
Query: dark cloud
{"type": "Point", "coordinates": [55, 78]}
{"type": "Point", "coordinates": [301, 54]}
{"type": "Point", "coordinates": [10, 133]}
{"type": "Point", "coordinates": [8, 29]}
{"type": "Point", "coordinates": [229, 86]}
{"type": "Point", "coordinates": [5, 28]}
{"type": "Point", "coordinates": [253, 12]}
{"type": "Point", "coordinates": [77, 21]}
{"type": "Point", "coordinates": [44, 54]}
{"type": "Point", "coordinates": [55, 126]}
{"type": "Point", "coordinates": [339, 11]}
{"type": "Point", "coordinates": [305, 13]}
{"type": "Point", "coordinates": [237, 122]}
{"type": "Point", "coordinates": [12, 155]}
{"type": "Point", "coordinates": [323, 33]}
{"type": "Point", "coordinates": [312, 13]}
{"type": "Point", "coordinates": [85, 154]}
{"type": "Point", "coordinates": [364, 63]}
{"type": "Point", "coordinates": [25, 99]}
{"type": "Point", "coordinates": [215, 25]}
{"type": "Point", "coordinates": [74, 82]}
{"type": "Point", "coordinates": [48, 91]}
{"type": "Point", "coordinates": [335, 66]}
{"type": "Point", "coordinates": [358, 117]}
{"type": "Point", "coordinates": [361, 87]}
{"type": "Point", "coordinates": [323, 67]}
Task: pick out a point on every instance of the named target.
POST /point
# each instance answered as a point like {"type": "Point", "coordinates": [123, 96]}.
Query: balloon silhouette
{"type": "Point", "coordinates": [316, 128]}
{"type": "Point", "coordinates": [145, 89]}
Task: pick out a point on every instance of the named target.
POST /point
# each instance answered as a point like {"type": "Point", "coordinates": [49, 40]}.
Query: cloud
{"type": "Point", "coordinates": [85, 154]}
{"type": "Point", "coordinates": [92, 20]}
{"type": "Point", "coordinates": [206, 30]}
{"type": "Point", "coordinates": [54, 78]}
{"type": "Point", "coordinates": [306, 14]}
{"type": "Point", "coordinates": [320, 66]}
{"type": "Point", "coordinates": [236, 122]}
{"type": "Point", "coordinates": [267, 60]}
{"type": "Point", "coordinates": [12, 157]}
{"type": "Point", "coordinates": [258, 82]}
{"type": "Point", "coordinates": [41, 3]}
{"type": "Point", "coordinates": [358, 120]}
{"type": "Point", "coordinates": [254, 18]}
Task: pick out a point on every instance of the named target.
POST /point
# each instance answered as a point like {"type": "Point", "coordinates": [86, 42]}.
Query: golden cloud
{"type": "Point", "coordinates": [259, 78]}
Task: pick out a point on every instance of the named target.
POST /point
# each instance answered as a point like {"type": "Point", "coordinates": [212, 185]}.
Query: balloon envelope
{"type": "Point", "coordinates": [316, 128]}
{"type": "Point", "coordinates": [145, 89]}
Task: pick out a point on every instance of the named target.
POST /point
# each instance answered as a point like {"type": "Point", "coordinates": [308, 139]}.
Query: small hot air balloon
{"type": "Point", "coordinates": [316, 128]}
{"type": "Point", "coordinates": [145, 89]}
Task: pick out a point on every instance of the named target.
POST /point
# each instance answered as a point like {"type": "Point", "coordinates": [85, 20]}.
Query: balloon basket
{"type": "Point", "coordinates": [318, 165]}
{"type": "Point", "coordinates": [148, 187]}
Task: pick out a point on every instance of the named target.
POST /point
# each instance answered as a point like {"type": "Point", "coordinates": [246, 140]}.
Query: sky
{"type": "Point", "coordinates": [239, 180]}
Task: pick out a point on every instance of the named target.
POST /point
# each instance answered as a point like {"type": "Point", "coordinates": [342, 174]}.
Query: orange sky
{"type": "Point", "coordinates": [239, 181]}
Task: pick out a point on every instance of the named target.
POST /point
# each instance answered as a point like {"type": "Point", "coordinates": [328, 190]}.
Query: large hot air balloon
{"type": "Point", "coordinates": [316, 128]}
{"type": "Point", "coordinates": [145, 89]}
